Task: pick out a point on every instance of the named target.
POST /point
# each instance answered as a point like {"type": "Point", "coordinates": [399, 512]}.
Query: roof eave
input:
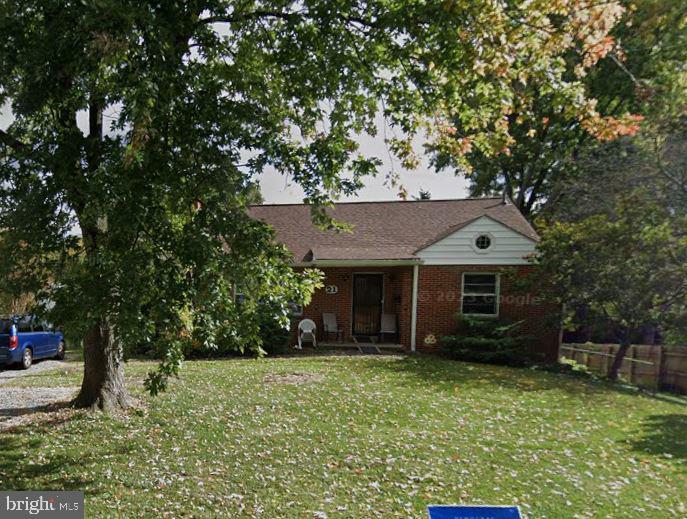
{"type": "Point", "coordinates": [358, 262]}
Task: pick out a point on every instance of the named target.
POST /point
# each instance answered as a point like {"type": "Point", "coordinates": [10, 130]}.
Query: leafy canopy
{"type": "Point", "coordinates": [628, 267]}
{"type": "Point", "coordinates": [639, 71]}
{"type": "Point", "coordinates": [145, 125]}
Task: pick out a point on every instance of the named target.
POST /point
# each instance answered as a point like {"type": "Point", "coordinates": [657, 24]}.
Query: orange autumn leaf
{"type": "Point", "coordinates": [464, 145]}
{"type": "Point", "coordinates": [598, 50]}
{"type": "Point", "coordinates": [609, 128]}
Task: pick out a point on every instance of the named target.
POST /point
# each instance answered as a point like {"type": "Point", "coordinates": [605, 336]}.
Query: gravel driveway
{"type": "Point", "coordinates": [19, 404]}
{"type": "Point", "coordinates": [40, 365]}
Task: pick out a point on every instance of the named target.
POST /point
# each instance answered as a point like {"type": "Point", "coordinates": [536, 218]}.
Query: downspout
{"type": "Point", "coordinates": [413, 315]}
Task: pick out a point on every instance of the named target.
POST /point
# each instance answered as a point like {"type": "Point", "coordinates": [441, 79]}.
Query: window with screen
{"type": "Point", "coordinates": [480, 294]}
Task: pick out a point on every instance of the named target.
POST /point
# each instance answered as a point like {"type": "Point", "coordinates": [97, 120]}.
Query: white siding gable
{"type": "Point", "coordinates": [508, 247]}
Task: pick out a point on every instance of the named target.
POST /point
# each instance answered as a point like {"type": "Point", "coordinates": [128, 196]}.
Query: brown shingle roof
{"type": "Point", "coordinates": [383, 230]}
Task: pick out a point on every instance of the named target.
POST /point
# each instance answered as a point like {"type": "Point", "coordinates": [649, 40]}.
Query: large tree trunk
{"type": "Point", "coordinates": [103, 379]}
{"type": "Point", "coordinates": [619, 356]}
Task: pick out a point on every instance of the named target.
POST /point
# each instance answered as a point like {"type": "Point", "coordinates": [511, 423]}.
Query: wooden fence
{"type": "Point", "coordinates": [662, 368]}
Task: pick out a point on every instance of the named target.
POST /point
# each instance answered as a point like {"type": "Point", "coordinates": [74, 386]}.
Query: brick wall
{"type": "Point", "coordinates": [397, 298]}
{"type": "Point", "coordinates": [439, 297]}
{"type": "Point", "coordinates": [439, 301]}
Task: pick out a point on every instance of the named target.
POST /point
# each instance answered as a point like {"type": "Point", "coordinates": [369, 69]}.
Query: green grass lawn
{"type": "Point", "coordinates": [338, 436]}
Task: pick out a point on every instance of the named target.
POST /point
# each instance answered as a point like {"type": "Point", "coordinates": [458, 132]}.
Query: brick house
{"type": "Point", "coordinates": [422, 262]}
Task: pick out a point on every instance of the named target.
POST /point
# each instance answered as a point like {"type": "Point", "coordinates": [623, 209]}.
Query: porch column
{"type": "Point", "coordinates": [413, 311]}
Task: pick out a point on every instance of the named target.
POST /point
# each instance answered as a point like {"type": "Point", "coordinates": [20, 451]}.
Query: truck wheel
{"type": "Point", "coordinates": [27, 359]}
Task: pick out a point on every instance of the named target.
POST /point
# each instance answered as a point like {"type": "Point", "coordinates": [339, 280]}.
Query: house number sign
{"type": "Point", "coordinates": [331, 289]}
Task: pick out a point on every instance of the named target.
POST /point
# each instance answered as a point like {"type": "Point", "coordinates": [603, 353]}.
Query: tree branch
{"type": "Point", "coordinates": [95, 133]}
{"type": "Point", "coordinates": [286, 16]}
{"type": "Point", "coordinates": [622, 66]}
{"type": "Point", "coordinates": [11, 142]}
{"type": "Point", "coordinates": [253, 15]}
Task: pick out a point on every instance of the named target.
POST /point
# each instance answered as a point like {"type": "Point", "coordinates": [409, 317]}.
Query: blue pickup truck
{"type": "Point", "coordinates": [25, 339]}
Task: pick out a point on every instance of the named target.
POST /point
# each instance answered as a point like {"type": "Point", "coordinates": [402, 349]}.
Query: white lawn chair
{"type": "Point", "coordinates": [307, 329]}
{"type": "Point", "coordinates": [330, 326]}
{"type": "Point", "coordinates": [388, 326]}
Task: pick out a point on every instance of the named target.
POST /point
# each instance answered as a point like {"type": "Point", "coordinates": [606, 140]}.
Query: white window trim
{"type": "Point", "coordinates": [497, 295]}
{"type": "Point", "coordinates": [474, 246]}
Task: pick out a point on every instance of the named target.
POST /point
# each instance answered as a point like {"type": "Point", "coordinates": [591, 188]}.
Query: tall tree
{"type": "Point", "coordinates": [627, 267]}
{"type": "Point", "coordinates": [145, 125]}
{"type": "Point", "coordinates": [643, 75]}
{"type": "Point", "coordinates": [654, 163]}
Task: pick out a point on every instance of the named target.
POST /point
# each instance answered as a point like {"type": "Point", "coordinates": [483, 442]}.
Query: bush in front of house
{"type": "Point", "coordinates": [273, 335]}
{"type": "Point", "coordinates": [275, 340]}
{"type": "Point", "coordinates": [491, 341]}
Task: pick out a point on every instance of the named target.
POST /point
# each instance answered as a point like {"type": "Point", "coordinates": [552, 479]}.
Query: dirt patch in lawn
{"type": "Point", "coordinates": [293, 378]}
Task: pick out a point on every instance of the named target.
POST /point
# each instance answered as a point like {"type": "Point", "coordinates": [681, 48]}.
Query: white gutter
{"type": "Point", "coordinates": [413, 315]}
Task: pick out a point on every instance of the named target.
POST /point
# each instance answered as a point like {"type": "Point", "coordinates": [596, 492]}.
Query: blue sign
{"type": "Point", "coordinates": [473, 512]}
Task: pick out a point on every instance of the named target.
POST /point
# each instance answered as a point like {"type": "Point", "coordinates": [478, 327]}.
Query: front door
{"type": "Point", "coordinates": [367, 303]}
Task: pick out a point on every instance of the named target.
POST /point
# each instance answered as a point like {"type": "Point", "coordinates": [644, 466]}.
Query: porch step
{"type": "Point", "coordinates": [354, 346]}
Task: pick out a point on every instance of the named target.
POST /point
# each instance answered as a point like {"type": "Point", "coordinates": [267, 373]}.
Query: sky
{"type": "Point", "coordinates": [277, 189]}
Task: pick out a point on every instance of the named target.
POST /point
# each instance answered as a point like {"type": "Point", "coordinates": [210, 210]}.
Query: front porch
{"type": "Point", "coordinates": [349, 348]}
{"type": "Point", "coordinates": [358, 345]}
{"type": "Point", "coordinates": [362, 300]}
